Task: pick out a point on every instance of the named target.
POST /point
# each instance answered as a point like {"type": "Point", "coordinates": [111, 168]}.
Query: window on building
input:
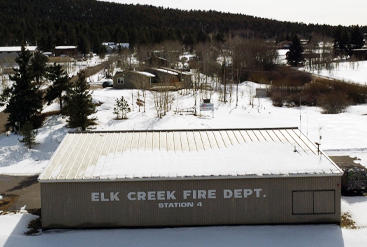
{"type": "Point", "coordinates": [120, 80]}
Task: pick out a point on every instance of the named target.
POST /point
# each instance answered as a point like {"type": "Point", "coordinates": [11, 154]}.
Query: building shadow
{"type": "Point", "coordinates": [281, 235]}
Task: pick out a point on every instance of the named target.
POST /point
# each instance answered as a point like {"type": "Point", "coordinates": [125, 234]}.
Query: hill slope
{"type": "Point", "coordinates": [89, 22]}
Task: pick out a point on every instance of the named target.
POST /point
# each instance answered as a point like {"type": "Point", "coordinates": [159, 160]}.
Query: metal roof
{"type": "Point", "coordinates": [185, 154]}
{"type": "Point", "coordinates": [16, 48]}
{"type": "Point", "coordinates": [65, 47]}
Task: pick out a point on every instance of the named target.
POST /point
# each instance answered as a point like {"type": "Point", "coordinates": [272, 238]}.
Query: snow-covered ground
{"type": "Point", "coordinates": [282, 56]}
{"type": "Point", "coordinates": [341, 131]}
{"type": "Point", "coordinates": [73, 68]}
{"type": "Point", "coordinates": [13, 226]}
{"type": "Point", "coordinates": [355, 72]}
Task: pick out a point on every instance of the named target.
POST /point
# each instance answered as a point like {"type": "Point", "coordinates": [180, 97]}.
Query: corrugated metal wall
{"type": "Point", "coordinates": [281, 200]}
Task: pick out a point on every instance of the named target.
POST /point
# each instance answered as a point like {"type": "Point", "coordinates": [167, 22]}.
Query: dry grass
{"type": "Point", "coordinates": [3, 121]}
{"type": "Point", "coordinates": [281, 76]}
{"type": "Point", "coordinates": [347, 221]}
{"type": "Point", "coordinates": [60, 59]}
{"type": "Point", "coordinates": [332, 95]}
{"type": "Point", "coordinates": [7, 202]}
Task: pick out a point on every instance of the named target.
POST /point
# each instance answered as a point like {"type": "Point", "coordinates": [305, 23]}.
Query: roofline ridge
{"type": "Point", "coordinates": [177, 130]}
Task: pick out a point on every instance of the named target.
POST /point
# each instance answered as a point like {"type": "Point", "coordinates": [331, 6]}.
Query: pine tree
{"type": "Point", "coordinates": [29, 135]}
{"type": "Point", "coordinates": [60, 83]}
{"type": "Point", "coordinates": [84, 46]}
{"type": "Point", "coordinates": [357, 39]}
{"type": "Point", "coordinates": [121, 108]}
{"type": "Point", "coordinates": [38, 64]}
{"type": "Point", "coordinates": [79, 104]}
{"type": "Point", "coordinates": [295, 54]}
{"type": "Point", "coordinates": [25, 102]}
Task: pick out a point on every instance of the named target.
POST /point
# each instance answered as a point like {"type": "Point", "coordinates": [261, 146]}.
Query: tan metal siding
{"type": "Point", "coordinates": [70, 205]}
{"type": "Point", "coordinates": [324, 202]}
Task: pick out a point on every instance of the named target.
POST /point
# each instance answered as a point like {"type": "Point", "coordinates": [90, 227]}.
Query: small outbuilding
{"type": "Point", "coordinates": [164, 76]}
{"type": "Point", "coordinates": [360, 53]}
{"type": "Point", "coordinates": [157, 61]}
{"type": "Point", "coordinates": [70, 51]}
{"type": "Point", "coordinates": [133, 80]}
{"type": "Point", "coordinates": [189, 177]}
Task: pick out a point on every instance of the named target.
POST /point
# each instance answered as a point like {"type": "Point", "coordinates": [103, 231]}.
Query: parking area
{"type": "Point", "coordinates": [19, 191]}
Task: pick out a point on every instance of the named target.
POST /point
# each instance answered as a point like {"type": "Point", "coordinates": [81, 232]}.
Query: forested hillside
{"type": "Point", "coordinates": [88, 23]}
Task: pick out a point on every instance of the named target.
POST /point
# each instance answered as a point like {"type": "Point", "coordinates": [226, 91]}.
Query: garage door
{"type": "Point", "coordinates": [309, 202]}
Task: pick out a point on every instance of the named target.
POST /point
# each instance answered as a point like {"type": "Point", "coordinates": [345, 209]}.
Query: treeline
{"type": "Point", "coordinates": [347, 39]}
{"type": "Point", "coordinates": [87, 23]}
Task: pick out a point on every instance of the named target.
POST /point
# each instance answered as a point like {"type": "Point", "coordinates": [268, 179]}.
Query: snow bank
{"type": "Point", "coordinates": [357, 207]}
{"type": "Point", "coordinates": [16, 159]}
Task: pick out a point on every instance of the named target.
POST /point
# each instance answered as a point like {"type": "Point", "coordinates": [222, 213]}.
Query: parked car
{"type": "Point", "coordinates": [107, 83]}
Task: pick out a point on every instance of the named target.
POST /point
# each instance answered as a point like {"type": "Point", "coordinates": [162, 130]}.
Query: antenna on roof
{"type": "Point", "coordinates": [318, 147]}
{"type": "Point", "coordinates": [300, 112]}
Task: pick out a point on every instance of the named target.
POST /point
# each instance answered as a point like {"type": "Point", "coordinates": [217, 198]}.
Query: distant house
{"type": "Point", "coordinates": [360, 53]}
{"type": "Point", "coordinates": [9, 53]}
{"type": "Point", "coordinates": [133, 80]}
{"type": "Point", "coordinates": [112, 46]}
{"type": "Point", "coordinates": [183, 76]}
{"type": "Point", "coordinates": [171, 76]}
{"type": "Point", "coordinates": [70, 51]}
{"type": "Point", "coordinates": [123, 45]}
{"type": "Point", "coordinates": [164, 76]}
{"type": "Point", "coordinates": [157, 61]}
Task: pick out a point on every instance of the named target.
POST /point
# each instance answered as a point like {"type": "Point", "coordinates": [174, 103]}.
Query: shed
{"type": "Point", "coordinates": [133, 80]}
{"type": "Point", "coordinates": [157, 61]}
{"type": "Point", "coordinates": [163, 76]}
{"type": "Point", "coordinates": [360, 53]}
{"type": "Point", "coordinates": [69, 50]}
{"type": "Point", "coordinates": [189, 177]}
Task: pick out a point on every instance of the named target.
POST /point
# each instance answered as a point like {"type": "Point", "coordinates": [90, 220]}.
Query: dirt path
{"type": "Point", "coordinates": [18, 191]}
{"type": "Point", "coordinates": [3, 121]}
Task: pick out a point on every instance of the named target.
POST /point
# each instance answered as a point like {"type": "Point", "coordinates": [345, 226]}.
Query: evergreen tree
{"type": "Point", "coordinates": [83, 45]}
{"type": "Point", "coordinates": [29, 135]}
{"type": "Point", "coordinates": [38, 63]}
{"type": "Point", "coordinates": [295, 54]}
{"type": "Point", "coordinates": [357, 39]}
{"type": "Point", "coordinates": [60, 83]}
{"type": "Point", "coordinates": [25, 102]}
{"type": "Point", "coordinates": [121, 108]}
{"type": "Point", "coordinates": [79, 104]}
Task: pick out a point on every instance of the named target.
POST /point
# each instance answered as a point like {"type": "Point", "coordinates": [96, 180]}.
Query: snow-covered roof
{"type": "Point", "coordinates": [185, 154]}
{"type": "Point", "coordinates": [166, 71]}
{"type": "Point", "coordinates": [145, 73]}
{"type": "Point", "coordinates": [16, 48]}
{"type": "Point", "coordinates": [65, 47]}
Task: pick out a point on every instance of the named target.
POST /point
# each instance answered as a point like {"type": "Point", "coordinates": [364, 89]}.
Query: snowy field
{"type": "Point", "coordinates": [13, 226]}
{"type": "Point", "coordinates": [355, 72]}
{"type": "Point", "coordinates": [338, 133]}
